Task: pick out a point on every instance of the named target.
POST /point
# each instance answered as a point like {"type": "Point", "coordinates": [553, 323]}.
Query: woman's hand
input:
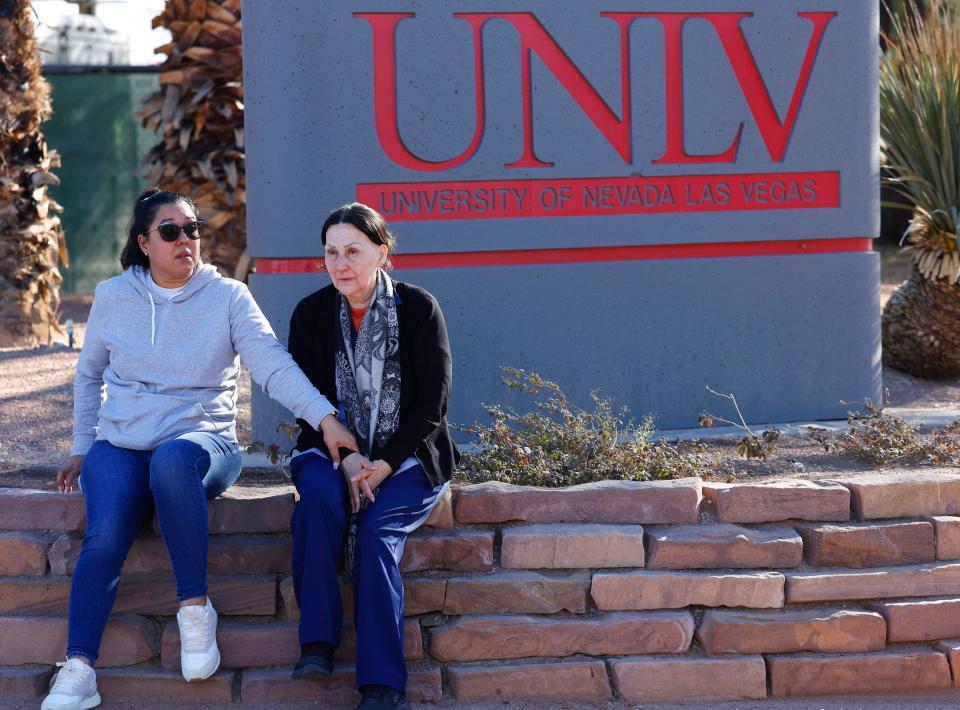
{"type": "Point", "coordinates": [69, 474]}
{"type": "Point", "coordinates": [336, 436]}
{"type": "Point", "coordinates": [353, 465]}
{"type": "Point", "coordinates": [370, 476]}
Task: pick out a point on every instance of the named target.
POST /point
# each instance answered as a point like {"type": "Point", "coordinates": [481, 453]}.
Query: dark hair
{"type": "Point", "coordinates": [144, 210]}
{"type": "Point", "coordinates": [368, 221]}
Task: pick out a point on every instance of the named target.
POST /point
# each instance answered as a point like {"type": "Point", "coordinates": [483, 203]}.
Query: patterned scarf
{"type": "Point", "coordinates": [368, 381]}
{"type": "Point", "coordinates": [368, 374]}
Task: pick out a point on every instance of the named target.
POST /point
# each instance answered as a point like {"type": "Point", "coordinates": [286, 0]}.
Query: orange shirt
{"type": "Point", "coordinates": [356, 315]}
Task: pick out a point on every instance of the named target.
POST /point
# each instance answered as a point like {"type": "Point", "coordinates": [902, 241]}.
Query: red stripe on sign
{"type": "Point", "coordinates": [581, 255]}
{"type": "Point", "coordinates": [597, 197]}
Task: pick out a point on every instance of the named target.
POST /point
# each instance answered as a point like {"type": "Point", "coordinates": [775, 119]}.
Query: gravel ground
{"type": "Point", "coordinates": [36, 398]}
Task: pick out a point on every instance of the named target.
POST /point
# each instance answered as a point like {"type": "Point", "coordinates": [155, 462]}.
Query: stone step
{"type": "Point", "coordinates": [905, 495]}
{"type": "Point", "coordinates": [34, 596]}
{"type": "Point", "coordinates": [722, 546]}
{"type": "Point", "coordinates": [246, 595]}
{"type": "Point", "coordinates": [274, 644]}
{"type": "Point", "coordinates": [26, 682]}
{"type": "Point", "coordinates": [926, 620]}
{"type": "Point", "coordinates": [227, 554]}
{"type": "Point", "coordinates": [420, 596]}
{"type": "Point", "coordinates": [453, 550]}
{"type": "Point", "coordinates": [658, 679]}
{"type": "Point", "coordinates": [269, 686]}
{"type": "Point", "coordinates": [250, 510]}
{"type": "Point", "coordinates": [479, 638]}
{"type": "Point", "coordinates": [240, 510]}
{"type": "Point", "coordinates": [23, 553]}
{"type": "Point", "coordinates": [28, 553]}
{"type": "Point", "coordinates": [776, 501]}
{"type": "Point", "coordinates": [27, 509]}
{"type": "Point", "coordinates": [925, 580]}
{"type": "Point", "coordinates": [952, 649]}
{"type": "Point", "coordinates": [630, 502]}
{"type": "Point", "coordinates": [442, 514]}
{"type": "Point", "coordinates": [792, 631]}
{"type": "Point", "coordinates": [149, 683]}
{"type": "Point", "coordinates": [582, 681]}
{"type": "Point", "coordinates": [869, 545]}
{"type": "Point", "coordinates": [232, 596]}
{"type": "Point", "coordinates": [517, 592]}
{"type": "Point", "coordinates": [898, 671]}
{"type": "Point", "coordinates": [127, 640]}
{"type": "Point", "coordinates": [947, 532]}
{"type": "Point", "coordinates": [648, 590]}
{"type": "Point", "coordinates": [22, 686]}
{"type": "Point", "coordinates": [571, 546]}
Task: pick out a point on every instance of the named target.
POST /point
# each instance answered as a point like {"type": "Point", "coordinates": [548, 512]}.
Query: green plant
{"type": "Point", "coordinates": [894, 12]}
{"type": "Point", "coordinates": [883, 438]}
{"type": "Point", "coordinates": [278, 455]}
{"type": "Point", "coordinates": [750, 446]}
{"type": "Point", "coordinates": [920, 131]}
{"type": "Point", "coordinates": [558, 443]}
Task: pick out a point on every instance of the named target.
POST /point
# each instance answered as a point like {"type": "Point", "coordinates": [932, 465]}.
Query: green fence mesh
{"type": "Point", "coordinates": [101, 141]}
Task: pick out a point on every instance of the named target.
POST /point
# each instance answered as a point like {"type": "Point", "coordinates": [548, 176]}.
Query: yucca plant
{"type": "Point", "coordinates": [894, 12]}
{"type": "Point", "coordinates": [920, 132]}
{"type": "Point", "coordinates": [31, 236]}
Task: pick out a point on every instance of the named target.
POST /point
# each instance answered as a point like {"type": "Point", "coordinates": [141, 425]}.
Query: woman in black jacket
{"type": "Point", "coordinates": [379, 349]}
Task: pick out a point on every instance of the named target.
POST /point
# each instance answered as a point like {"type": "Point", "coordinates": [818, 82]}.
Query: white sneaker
{"type": "Point", "coordinates": [199, 655]}
{"type": "Point", "coordinates": [75, 687]}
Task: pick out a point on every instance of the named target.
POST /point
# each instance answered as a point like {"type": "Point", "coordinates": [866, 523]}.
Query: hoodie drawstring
{"type": "Point", "coordinates": [153, 317]}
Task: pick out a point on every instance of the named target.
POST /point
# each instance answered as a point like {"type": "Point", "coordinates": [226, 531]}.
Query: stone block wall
{"type": "Point", "coordinates": [664, 591]}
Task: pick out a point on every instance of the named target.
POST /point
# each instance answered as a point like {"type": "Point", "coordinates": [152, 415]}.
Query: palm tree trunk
{"type": "Point", "coordinates": [199, 109]}
{"type": "Point", "coordinates": [31, 236]}
{"type": "Point", "coordinates": [921, 328]}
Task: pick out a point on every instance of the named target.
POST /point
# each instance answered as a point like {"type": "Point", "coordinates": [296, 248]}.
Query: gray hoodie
{"type": "Point", "coordinates": [170, 367]}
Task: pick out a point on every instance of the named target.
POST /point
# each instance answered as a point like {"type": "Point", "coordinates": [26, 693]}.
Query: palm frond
{"type": "Point", "coordinates": [920, 128]}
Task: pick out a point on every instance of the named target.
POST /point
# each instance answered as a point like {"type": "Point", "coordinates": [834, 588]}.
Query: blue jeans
{"type": "Point", "coordinates": [121, 488]}
{"type": "Point", "coordinates": [403, 502]}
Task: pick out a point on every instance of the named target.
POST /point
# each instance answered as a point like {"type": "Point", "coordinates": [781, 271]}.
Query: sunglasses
{"type": "Point", "coordinates": [169, 232]}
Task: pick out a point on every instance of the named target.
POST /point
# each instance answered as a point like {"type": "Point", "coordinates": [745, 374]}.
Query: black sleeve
{"type": "Point", "coordinates": [432, 379]}
{"type": "Point", "coordinates": [299, 349]}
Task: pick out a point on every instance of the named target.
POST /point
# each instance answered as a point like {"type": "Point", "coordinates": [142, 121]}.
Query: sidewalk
{"type": "Point", "coordinates": [938, 701]}
{"type": "Point", "coordinates": [921, 418]}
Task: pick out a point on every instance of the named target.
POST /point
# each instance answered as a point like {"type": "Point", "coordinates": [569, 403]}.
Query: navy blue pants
{"type": "Point", "coordinates": [403, 502]}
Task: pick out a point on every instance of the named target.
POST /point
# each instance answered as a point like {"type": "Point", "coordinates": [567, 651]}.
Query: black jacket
{"type": "Point", "coordinates": [425, 372]}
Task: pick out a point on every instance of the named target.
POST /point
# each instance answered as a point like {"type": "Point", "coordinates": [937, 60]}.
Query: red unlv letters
{"type": "Point", "coordinates": [534, 37]}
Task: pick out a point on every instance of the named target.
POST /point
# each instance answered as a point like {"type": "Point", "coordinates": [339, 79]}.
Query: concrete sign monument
{"type": "Point", "coordinates": [639, 197]}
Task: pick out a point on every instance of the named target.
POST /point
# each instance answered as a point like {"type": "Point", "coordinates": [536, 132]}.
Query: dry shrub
{"type": "Point", "coordinates": [561, 444]}
{"type": "Point", "coordinates": [883, 439]}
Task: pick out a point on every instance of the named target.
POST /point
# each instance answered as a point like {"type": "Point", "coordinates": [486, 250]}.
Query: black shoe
{"type": "Point", "coordinates": [382, 697]}
{"type": "Point", "coordinates": [316, 661]}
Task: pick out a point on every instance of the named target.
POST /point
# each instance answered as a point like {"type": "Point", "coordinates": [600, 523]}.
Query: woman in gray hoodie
{"type": "Point", "coordinates": [165, 340]}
